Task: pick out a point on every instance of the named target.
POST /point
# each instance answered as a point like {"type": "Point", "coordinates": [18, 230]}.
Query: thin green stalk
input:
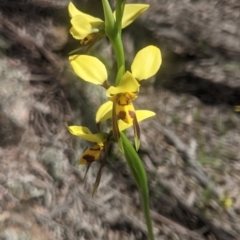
{"type": "Point", "coordinates": [139, 174]}
{"type": "Point", "coordinates": [117, 41]}
{"type": "Point", "coordinates": [113, 31]}
{"type": "Point", "coordinates": [120, 57]}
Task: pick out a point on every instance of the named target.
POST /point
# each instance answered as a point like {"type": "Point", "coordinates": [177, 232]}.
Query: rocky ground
{"type": "Point", "coordinates": [190, 149]}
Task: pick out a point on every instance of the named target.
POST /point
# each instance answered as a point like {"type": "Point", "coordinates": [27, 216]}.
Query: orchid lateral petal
{"type": "Point", "coordinates": [85, 133]}
{"type": "Point", "coordinates": [131, 12]}
{"type": "Point", "coordinates": [88, 167]}
{"type": "Point", "coordinates": [73, 11]}
{"type": "Point", "coordinates": [103, 162]}
{"type": "Point", "coordinates": [140, 115]}
{"type": "Point", "coordinates": [115, 128]}
{"type": "Point", "coordinates": [89, 68]}
{"type": "Point", "coordinates": [104, 112]}
{"type": "Point", "coordinates": [146, 63]}
{"type": "Point", "coordinates": [97, 181]}
{"type": "Point", "coordinates": [136, 133]}
{"type": "Point", "coordinates": [81, 27]}
{"type": "Point", "coordinates": [127, 84]}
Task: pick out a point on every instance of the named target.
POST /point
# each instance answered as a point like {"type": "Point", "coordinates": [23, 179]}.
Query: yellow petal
{"type": "Point", "coordinates": [104, 112]}
{"type": "Point", "coordinates": [146, 63]}
{"type": "Point", "coordinates": [131, 12]}
{"type": "Point", "coordinates": [127, 84]}
{"type": "Point", "coordinates": [89, 68]}
{"type": "Point", "coordinates": [73, 11]}
{"type": "Point", "coordinates": [79, 130]}
{"type": "Point", "coordinates": [81, 28]}
{"type": "Point", "coordinates": [141, 115]}
{"type": "Point", "coordinates": [90, 155]}
{"type": "Point", "coordinates": [85, 133]}
{"type": "Point", "coordinates": [144, 114]}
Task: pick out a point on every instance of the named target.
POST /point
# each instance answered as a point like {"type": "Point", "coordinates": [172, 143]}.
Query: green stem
{"type": "Point", "coordinates": [120, 57]}
{"type": "Point", "coordinates": [113, 30]}
{"type": "Point", "coordinates": [139, 174]}
{"type": "Point", "coordinates": [117, 41]}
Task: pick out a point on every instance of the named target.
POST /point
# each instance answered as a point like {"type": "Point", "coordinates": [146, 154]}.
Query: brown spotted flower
{"type": "Point", "coordinates": [120, 105]}
{"type": "Point", "coordinates": [100, 139]}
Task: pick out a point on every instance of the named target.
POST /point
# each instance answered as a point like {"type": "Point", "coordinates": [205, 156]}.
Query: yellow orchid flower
{"type": "Point", "coordinates": [145, 64]}
{"type": "Point", "coordinates": [101, 141]}
{"type": "Point", "coordinates": [88, 28]}
{"type": "Point", "coordinates": [93, 154]}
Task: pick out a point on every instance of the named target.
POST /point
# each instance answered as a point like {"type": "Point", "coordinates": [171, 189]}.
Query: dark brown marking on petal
{"type": "Point", "coordinates": [122, 104]}
{"type": "Point", "coordinates": [88, 39]}
{"type": "Point", "coordinates": [123, 99]}
{"type": "Point", "coordinates": [132, 114]}
{"type": "Point", "coordinates": [122, 115]}
{"type": "Point", "coordinates": [89, 158]}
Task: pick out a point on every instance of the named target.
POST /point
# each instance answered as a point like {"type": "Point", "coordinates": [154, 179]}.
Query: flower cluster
{"type": "Point", "coordinates": [89, 29]}
{"type": "Point", "coordinates": [119, 107]}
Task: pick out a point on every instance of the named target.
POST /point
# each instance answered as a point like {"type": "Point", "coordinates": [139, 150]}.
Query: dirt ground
{"type": "Point", "coordinates": [190, 149]}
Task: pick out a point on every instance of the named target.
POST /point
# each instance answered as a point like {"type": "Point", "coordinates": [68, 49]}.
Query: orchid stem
{"type": "Point", "coordinates": [119, 53]}
{"type": "Point", "coordinates": [139, 174]}
{"type": "Point", "coordinates": [113, 30]}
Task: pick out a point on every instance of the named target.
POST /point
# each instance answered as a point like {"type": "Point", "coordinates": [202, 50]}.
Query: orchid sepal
{"type": "Point", "coordinates": [146, 63]}
{"type": "Point", "coordinates": [83, 66]}
{"type": "Point", "coordinates": [131, 12]}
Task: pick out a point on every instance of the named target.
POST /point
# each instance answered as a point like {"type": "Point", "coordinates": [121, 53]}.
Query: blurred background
{"type": "Point", "coordinates": [190, 150]}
